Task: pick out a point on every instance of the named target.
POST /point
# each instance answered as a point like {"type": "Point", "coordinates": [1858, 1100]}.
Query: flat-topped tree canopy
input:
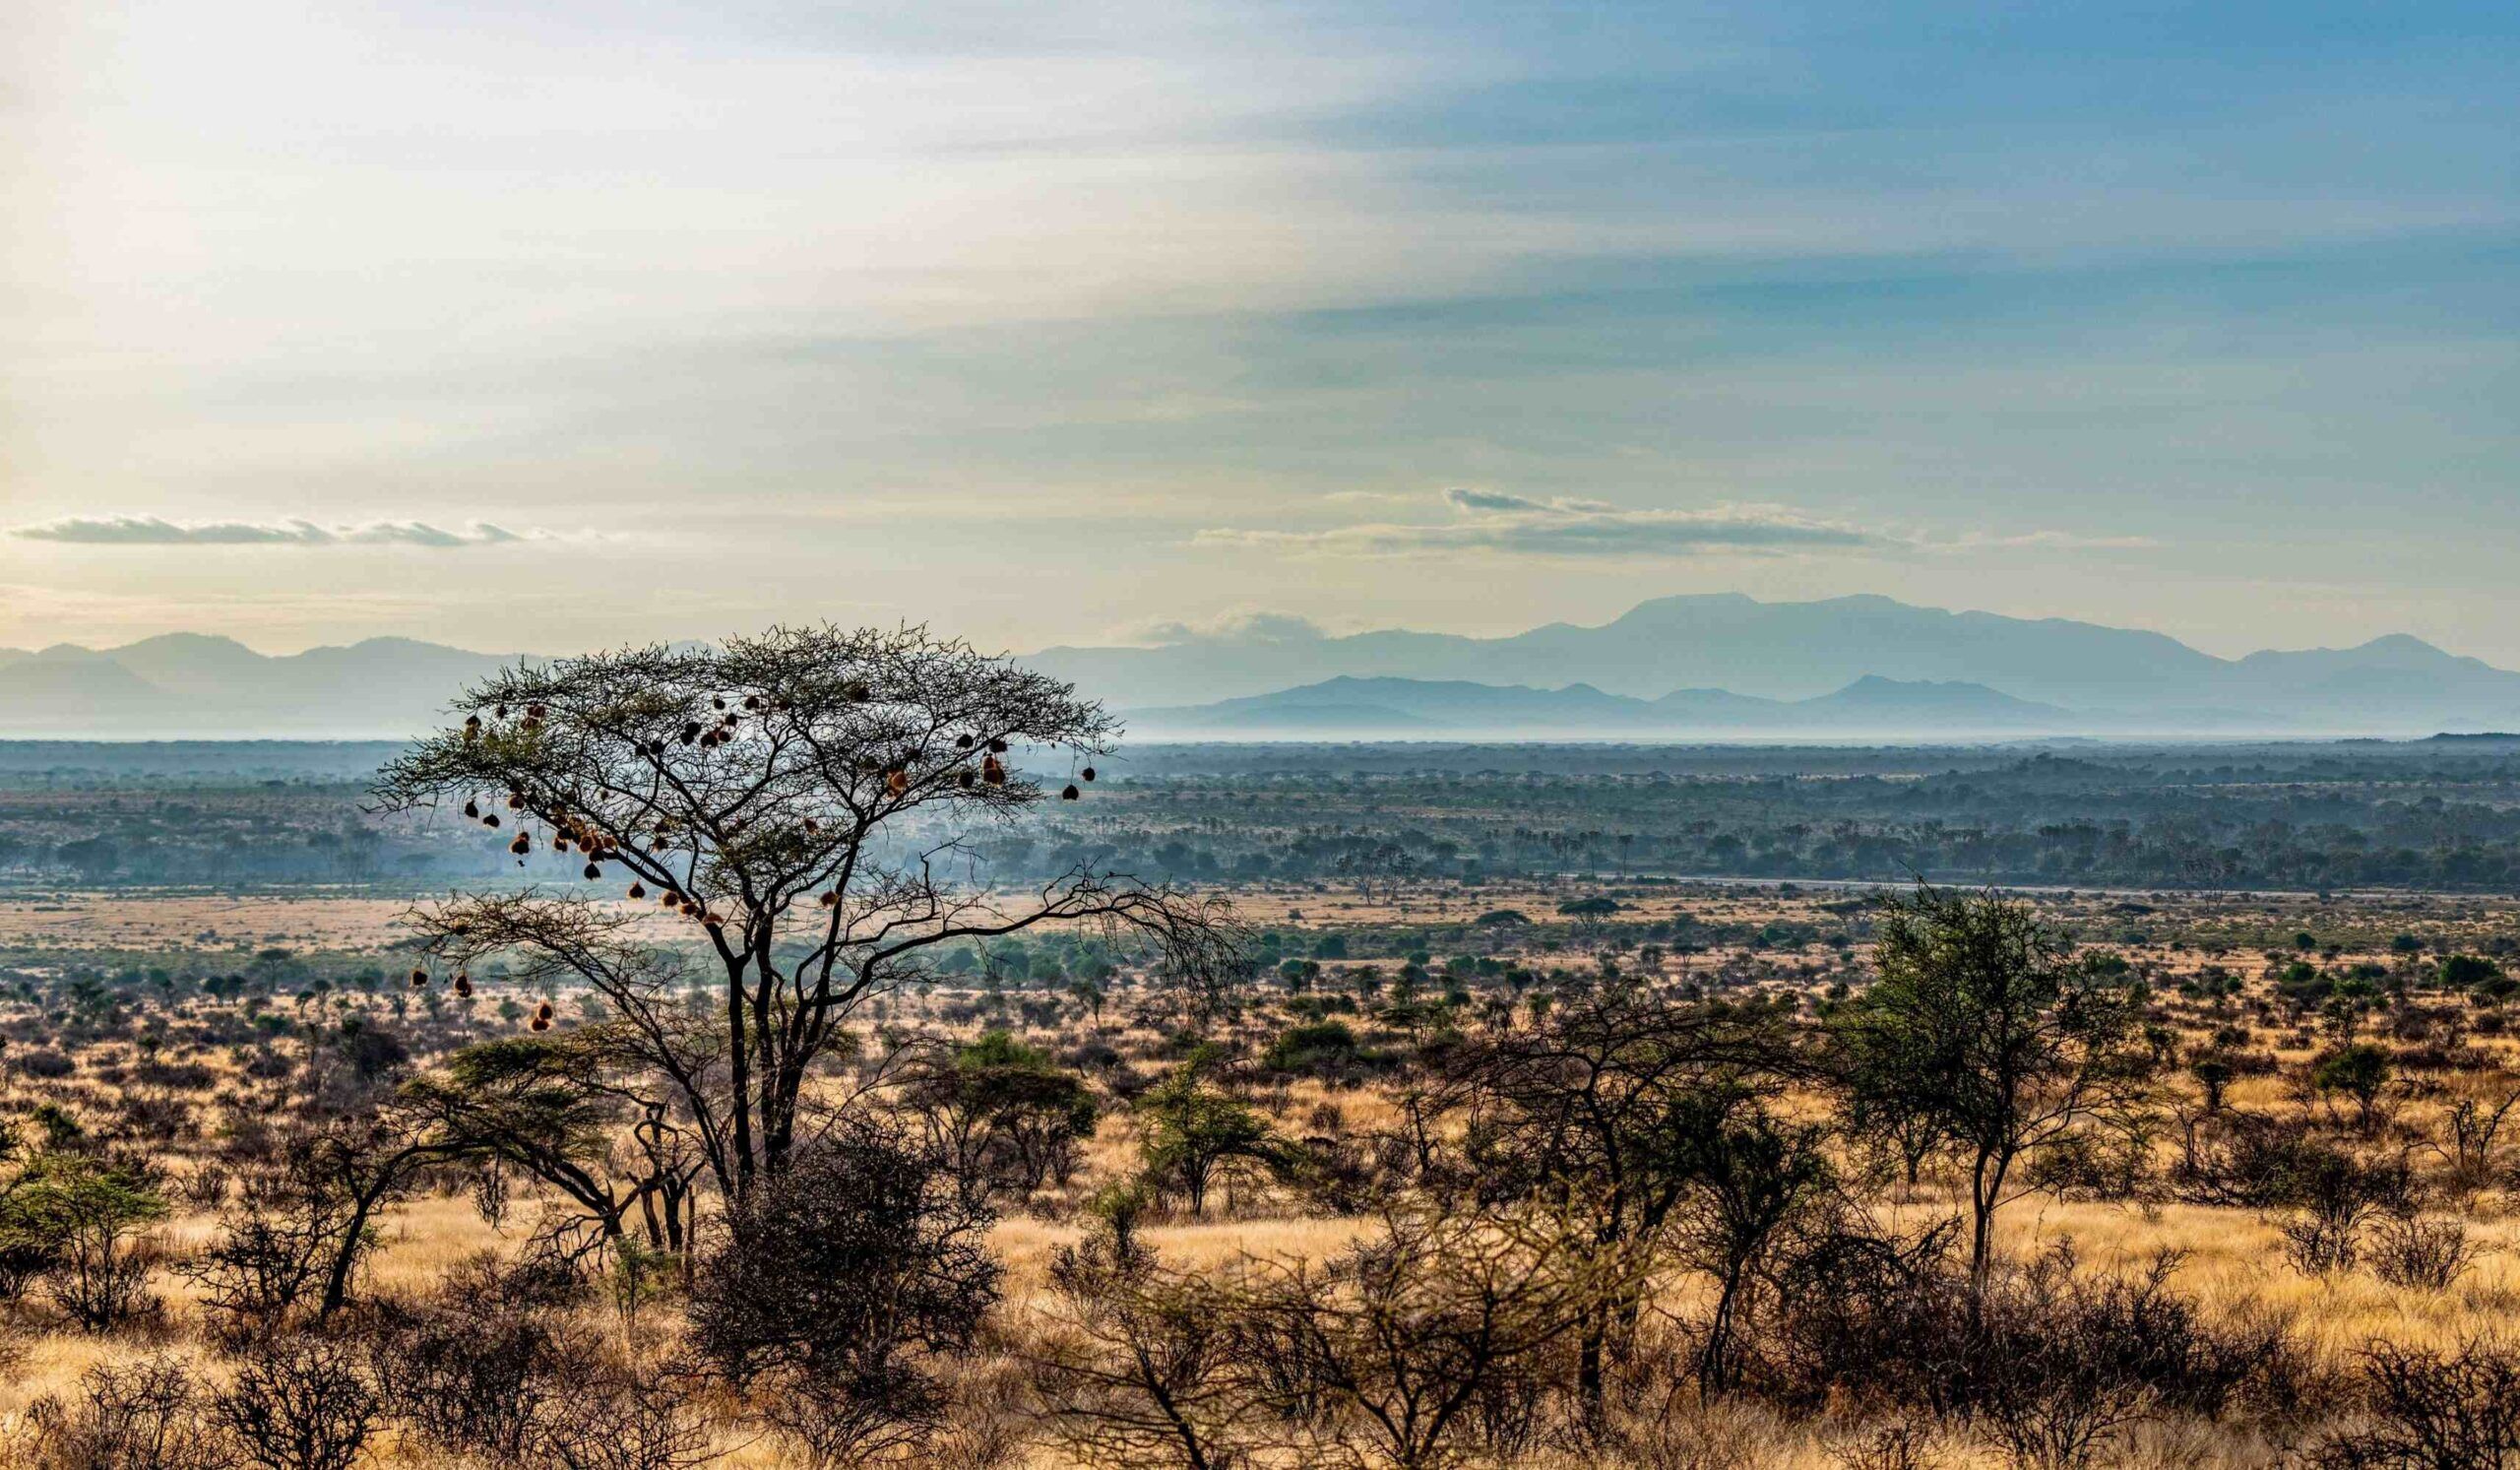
{"type": "Point", "coordinates": [797, 799]}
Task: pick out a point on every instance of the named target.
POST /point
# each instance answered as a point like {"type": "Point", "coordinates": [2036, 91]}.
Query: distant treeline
{"type": "Point", "coordinates": [2430, 814]}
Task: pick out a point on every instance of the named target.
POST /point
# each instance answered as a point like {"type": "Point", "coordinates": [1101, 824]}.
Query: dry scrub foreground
{"type": "Point", "coordinates": [1352, 1073]}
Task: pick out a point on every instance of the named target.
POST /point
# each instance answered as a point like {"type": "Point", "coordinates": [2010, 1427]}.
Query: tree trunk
{"type": "Point", "coordinates": [337, 1280]}
{"type": "Point", "coordinates": [1589, 1384]}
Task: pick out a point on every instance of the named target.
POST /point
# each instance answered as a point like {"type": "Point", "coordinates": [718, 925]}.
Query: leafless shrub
{"type": "Point", "coordinates": [473, 1367]}
{"type": "Point", "coordinates": [2339, 1199]}
{"type": "Point", "coordinates": [2471, 1135]}
{"type": "Point", "coordinates": [205, 1187]}
{"type": "Point", "coordinates": [987, 1421]}
{"type": "Point", "coordinates": [840, 1284]}
{"type": "Point", "coordinates": [2409, 1250]}
{"type": "Point", "coordinates": [2055, 1364]}
{"type": "Point", "coordinates": [106, 1288]}
{"type": "Point", "coordinates": [304, 1404]}
{"type": "Point", "coordinates": [848, 1425]}
{"type": "Point", "coordinates": [1140, 1368]}
{"type": "Point", "coordinates": [1893, 1446]}
{"type": "Point", "coordinates": [625, 1418]}
{"type": "Point", "coordinates": [492, 1193]}
{"type": "Point", "coordinates": [2432, 1411]}
{"type": "Point", "coordinates": [2070, 1361]}
{"type": "Point", "coordinates": [1381, 1356]}
{"type": "Point", "coordinates": [1684, 1437]}
{"type": "Point", "coordinates": [269, 1255]}
{"type": "Point", "coordinates": [147, 1415]}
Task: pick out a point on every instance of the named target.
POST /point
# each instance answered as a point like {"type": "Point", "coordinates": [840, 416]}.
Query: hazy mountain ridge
{"type": "Point", "coordinates": [1798, 651]}
{"type": "Point", "coordinates": [192, 685]}
{"type": "Point", "coordinates": [1407, 708]}
{"type": "Point", "coordinates": [1714, 662]}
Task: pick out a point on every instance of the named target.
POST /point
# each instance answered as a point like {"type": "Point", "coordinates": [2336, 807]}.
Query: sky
{"type": "Point", "coordinates": [547, 326]}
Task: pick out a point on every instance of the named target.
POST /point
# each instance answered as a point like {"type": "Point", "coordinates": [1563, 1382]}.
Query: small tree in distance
{"type": "Point", "coordinates": [796, 803]}
{"type": "Point", "coordinates": [1987, 1027]}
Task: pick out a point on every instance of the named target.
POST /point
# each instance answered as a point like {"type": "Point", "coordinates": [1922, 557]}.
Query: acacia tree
{"type": "Point", "coordinates": [1757, 1176]}
{"type": "Point", "coordinates": [1002, 1114]}
{"type": "Point", "coordinates": [1986, 1028]}
{"type": "Point", "coordinates": [800, 804]}
{"type": "Point", "coordinates": [1197, 1133]}
{"type": "Point", "coordinates": [1611, 1110]}
{"type": "Point", "coordinates": [554, 1107]}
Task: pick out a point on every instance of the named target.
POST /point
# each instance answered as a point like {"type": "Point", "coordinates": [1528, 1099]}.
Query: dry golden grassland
{"type": "Point", "coordinates": [2232, 1259]}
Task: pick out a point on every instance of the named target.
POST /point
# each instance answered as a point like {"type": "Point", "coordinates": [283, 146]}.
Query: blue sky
{"type": "Point", "coordinates": [547, 326]}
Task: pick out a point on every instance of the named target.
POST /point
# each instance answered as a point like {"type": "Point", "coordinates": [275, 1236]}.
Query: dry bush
{"type": "Point", "coordinates": [152, 1413]}
{"type": "Point", "coordinates": [845, 1425]}
{"type": "Point", "coordinates": [2409, 1250]}
{"type": "Point", "coordinates": [2053, 1364]}
{"type": "Point", "coordinates": [1679, 1443]}
{"type": "Point", "coordinates": [475, 1365]}
{"type": "Point", "coordinates": [840, 1283]}
{"type": "Point", "coordinates": [2425, 1410]}
{"type": "Point", "coordinates": [1139, 1367]}
{"type": "Point", "coordinates": [625, 1418]}
{"type": "Point", "coordinates": [1891, 1447]}
{"type": "Point", "coordinates": [2338, 1200]}
{"type": "Point", "coordinates": [269, 1255]}
{"type": "Point", "coordinates": [987, 1423]}
{"type": "Point", "coordinates": [303, 1404]}
{"type": "Point", "coordinates": [1386, 1352]}
{"type": "Point", "coordinates": [205, 1187]}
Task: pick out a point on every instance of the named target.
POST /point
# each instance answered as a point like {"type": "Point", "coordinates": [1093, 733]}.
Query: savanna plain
{"type": "Point", "coordinates": [554, 1092]}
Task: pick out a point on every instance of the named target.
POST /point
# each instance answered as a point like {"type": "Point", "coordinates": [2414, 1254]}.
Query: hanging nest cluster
{"type": "Point", "coordinates": [710, 734]}
{"type": "Point", "coordinates": [542, 1017]}
{"type": "Point", "coordinates": [475, 727]}
{"type": "Point", "coordinates": [463, 985]}
{"type": "Point", "coordinates": [719, 723]}
{"type": "Point", "coordinates": [898, 776]}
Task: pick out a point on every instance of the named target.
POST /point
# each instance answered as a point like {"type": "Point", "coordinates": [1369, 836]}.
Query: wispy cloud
{"type": "Point", "coordinates": [1244, 626]}
{"type": "Point", "coordinates": [153, 531]}
{"type": "Point", "coordinates": [2053, 540]}
{"type": "Point", "coordinates": [1492, 523]}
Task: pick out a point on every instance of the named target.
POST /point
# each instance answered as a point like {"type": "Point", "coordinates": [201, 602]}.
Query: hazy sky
{"type": "Point", "coordinates": [536, 326]}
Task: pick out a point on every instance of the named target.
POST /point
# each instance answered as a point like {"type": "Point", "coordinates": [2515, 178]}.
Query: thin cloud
{"type": "Point", "coordinates": [1243, 627]}
{"type": "Point", "coordinates": [2063, 540]}
{"type": "Point", "coordinates": [1491, 523]}
{"type": "Point", "coordinates": [153, 531]}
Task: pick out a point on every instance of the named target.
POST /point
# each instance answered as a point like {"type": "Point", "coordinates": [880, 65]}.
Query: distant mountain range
{"type": "Point", "coordinates": [1859, 667]}
{"type": "Point", "coordinates": [2086, 678]}
{"type": "Point", "coordinates": [1419, 709]}
{"type": "Point", "coordinates": [187, 685]}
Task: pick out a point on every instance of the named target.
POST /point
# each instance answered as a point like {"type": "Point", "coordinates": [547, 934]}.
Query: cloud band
{"type": "Point", "coordinates": [152, 531]}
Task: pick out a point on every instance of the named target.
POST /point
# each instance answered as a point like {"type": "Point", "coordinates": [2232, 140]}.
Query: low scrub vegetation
{"type": "Point", "coordinates": [794, 1150]}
